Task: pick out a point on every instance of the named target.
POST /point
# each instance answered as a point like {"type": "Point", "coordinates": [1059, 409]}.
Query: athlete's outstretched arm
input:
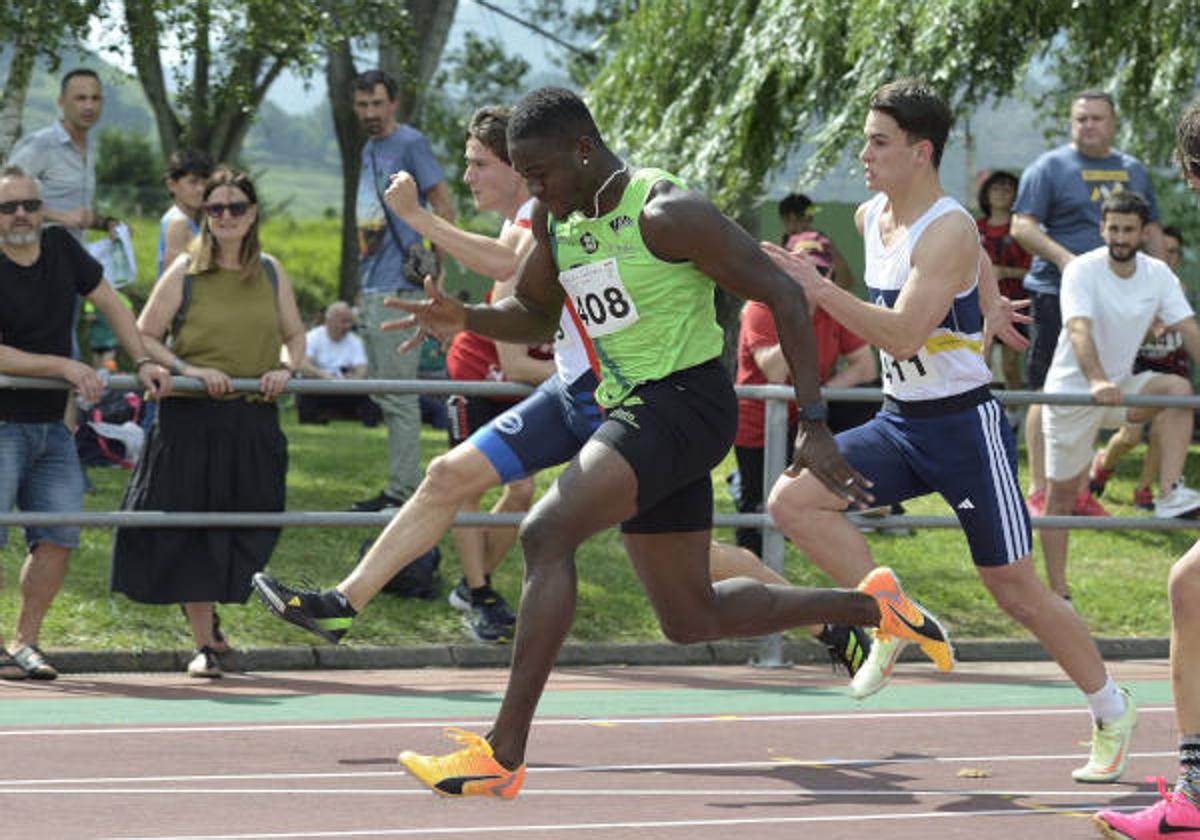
{"type": "Point", "coordinates": [945, 263]}
{"type": "Point", "coordinates": [678, 225]}
{"type": "Point", "coordinates": [528, 316]}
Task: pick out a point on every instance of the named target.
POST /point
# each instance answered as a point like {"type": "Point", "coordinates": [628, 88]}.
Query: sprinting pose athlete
{"type": "Point", "coordinates": [940, 430]}
{"type": "Point", "coordinates": [635, 256]}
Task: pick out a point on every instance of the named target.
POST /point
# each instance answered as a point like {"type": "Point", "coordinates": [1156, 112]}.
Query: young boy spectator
{"type": "Point", "coordinates": [187, 172]}
{"type": "Point", "coordinates": [1110, 296]}
{"type": "Point", "coordinates": [796, 211]}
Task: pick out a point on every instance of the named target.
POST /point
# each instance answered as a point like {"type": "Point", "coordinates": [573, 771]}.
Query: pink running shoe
{"type": "Point", "coordinates": [1036, 502]}
{"type": "Point", "coordinates": [1086, 505]}
{"type": "Point", "coordinates": [1173, 814]}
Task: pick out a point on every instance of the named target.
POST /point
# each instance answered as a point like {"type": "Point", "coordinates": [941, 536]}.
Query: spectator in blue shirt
{"type": "Point", "coordinates": [392, 263]}
{"type": "Point", "coordinates": [1056, 217]}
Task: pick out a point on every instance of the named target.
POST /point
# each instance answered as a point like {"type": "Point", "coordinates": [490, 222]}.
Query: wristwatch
{"type": "Point", "coordinates": [814, 412]}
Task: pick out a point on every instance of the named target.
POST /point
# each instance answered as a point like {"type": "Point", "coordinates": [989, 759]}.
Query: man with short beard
{"type": "Point", "coordinates": [1110, 296]}
{"type": "Point", "coordinates": [42, 272]}
{"type": "Point", "coordinates": [393, 261]}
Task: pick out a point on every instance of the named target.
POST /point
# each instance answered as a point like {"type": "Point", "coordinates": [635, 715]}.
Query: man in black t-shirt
{"type": "Point", "coordinates": [42, 270]}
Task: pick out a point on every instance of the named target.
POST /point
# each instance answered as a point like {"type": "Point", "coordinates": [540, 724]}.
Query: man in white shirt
{"type": "Point", "coordinates": [1110, 296]}
{"type": "Point", "coordinates": [335, 352]}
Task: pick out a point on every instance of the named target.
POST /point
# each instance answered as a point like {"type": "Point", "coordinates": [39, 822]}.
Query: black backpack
{"type": "Point", "coordinates": [419, 579]}
{"type": "Point", "coordinates": [114, 407]}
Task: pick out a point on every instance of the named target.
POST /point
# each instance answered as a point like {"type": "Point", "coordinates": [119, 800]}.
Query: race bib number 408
{"type": "Point", "coordinates": [599, 298]}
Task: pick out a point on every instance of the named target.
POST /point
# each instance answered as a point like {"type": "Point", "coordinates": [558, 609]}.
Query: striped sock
{"type": "Point", "coordinates": [1189, 768]}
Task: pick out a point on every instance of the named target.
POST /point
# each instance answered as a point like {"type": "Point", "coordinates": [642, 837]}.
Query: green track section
{"type": "Point", "coordinates": [451, 705]}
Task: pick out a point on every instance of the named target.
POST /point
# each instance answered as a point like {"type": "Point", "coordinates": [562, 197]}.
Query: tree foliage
{"type": "Point", "coordinates": [723, 90]}
{"type": "Point", "coordinates": [232, 51]}
{"type": "Point", "coordinates": [411, 54]}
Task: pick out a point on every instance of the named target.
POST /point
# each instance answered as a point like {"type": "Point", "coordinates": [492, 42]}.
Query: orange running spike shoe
{"type": "Point", "coordinates": [903, 618]}
{"type": "Point", "coordinates": [472, 771]}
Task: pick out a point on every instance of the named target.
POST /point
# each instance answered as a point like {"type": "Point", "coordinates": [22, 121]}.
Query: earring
{"type": "Point", "coordinates": [585, 160]}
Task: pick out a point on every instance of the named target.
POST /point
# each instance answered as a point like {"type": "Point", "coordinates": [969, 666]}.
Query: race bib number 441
{"type": "Point", "coordinates": [599, 298]}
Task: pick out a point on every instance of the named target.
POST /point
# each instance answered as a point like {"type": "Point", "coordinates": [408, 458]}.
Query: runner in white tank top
{"type": "Point", "coordinates": [951, 359]}
{"type": "Point", "coordinates": [940, 429]}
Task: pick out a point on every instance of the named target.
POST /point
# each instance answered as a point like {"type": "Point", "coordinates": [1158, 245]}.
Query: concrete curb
{"type": "Point", "coordinates": [495, 656]}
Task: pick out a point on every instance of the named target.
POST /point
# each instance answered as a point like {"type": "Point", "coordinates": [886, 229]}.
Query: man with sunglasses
{"type": "Point", "coordinates": [42, 272]}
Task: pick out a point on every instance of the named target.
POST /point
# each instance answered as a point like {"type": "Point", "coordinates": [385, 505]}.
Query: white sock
{"type": "Point", "coordinates": [1107, 704]}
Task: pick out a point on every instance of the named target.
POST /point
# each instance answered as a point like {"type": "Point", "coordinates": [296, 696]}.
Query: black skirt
{"type": "Point", "coordinates": [202, 455]}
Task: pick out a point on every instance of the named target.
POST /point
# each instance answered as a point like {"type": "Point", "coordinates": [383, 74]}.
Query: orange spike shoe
{"type": "Point", "coordinates": [903, 618]}
{"type": "Point", "coordinates": [472, 771]}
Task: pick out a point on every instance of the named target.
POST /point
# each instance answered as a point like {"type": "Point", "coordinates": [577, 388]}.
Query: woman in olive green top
{"type": "Point", "coordinates": [224, 310]}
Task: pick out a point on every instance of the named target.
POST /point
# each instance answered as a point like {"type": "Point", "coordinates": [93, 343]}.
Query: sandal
{"type": "Point", "coordinates": [205, 664]}
{"type": "Point", "coordinates": [33, 662]}
{"type": "Point", "coordinates": [220, 643]}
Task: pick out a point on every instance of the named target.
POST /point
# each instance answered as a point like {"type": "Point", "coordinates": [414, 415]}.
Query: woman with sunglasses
{"type": "Point", "coordinates": [223, 310]}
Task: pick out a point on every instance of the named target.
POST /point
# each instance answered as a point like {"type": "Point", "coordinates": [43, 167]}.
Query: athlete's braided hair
{"type": "Point", "coordinates": [1187, 141]}
{"type": "Point", "coordinates": [551, 112]}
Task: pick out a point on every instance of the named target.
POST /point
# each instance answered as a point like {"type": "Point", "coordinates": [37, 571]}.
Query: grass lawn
{"type": "Point", "coordinates": [1118, 578]}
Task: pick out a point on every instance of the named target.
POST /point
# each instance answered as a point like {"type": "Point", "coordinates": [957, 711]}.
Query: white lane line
{"type": "Point", "coordinates": [614, 826]}
{"type": "Point", "coordinates": [748, 717]}
{"type": "Point", "coordinates": [595, 768]}
{"type": "Point", "coordinates": [807, 793]}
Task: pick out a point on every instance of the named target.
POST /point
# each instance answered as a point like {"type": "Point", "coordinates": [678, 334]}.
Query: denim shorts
{"type": "Point", "coordinates": [40, 473]}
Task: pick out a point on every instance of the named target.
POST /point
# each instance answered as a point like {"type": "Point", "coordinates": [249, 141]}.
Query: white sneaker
{"type": "Point", "coordinates": [1110, 747]}
{"type": "Point", "coordinates": [877, 669]}
{"type": "Point", "coordinates": [1177, 502]}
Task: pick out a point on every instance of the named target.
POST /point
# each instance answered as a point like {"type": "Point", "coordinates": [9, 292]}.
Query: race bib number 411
{"type": "Point", "coordinates": [599, 297]}
{"type": "Point", "coordinates": [904, 375]}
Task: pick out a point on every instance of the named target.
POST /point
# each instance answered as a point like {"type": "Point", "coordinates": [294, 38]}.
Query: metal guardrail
{"type": "Point", "coordinates": [774, 461]}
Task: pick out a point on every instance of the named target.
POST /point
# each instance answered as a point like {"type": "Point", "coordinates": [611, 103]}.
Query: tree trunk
{"type": "Point", "coordinates": [339, 73]}
{"type": "Point", "coordinates": [12, 100]}
{"type": "Point", "coordinates": [430, 23]}
{"type": "Point", "coordinates": [143, 32]}
{"type": "Point", "coordinates": [201, 118]}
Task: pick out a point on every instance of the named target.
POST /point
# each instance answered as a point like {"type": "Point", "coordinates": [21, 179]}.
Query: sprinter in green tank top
{"type": "Point", "coordinates": [635, 256]}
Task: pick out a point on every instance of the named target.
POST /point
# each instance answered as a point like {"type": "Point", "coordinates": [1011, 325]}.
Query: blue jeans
{"type": "Point", "coordinates": [40, 473]}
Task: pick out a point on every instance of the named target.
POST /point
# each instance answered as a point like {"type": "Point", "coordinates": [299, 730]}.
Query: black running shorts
{"type": "Point", "coordinates": [673, 432]}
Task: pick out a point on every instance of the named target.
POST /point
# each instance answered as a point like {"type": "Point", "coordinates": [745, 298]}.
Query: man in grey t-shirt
{"type": "Point", "coordinates": [1056, 217]}
{"type": "Point", "coordinates": [62, 156]}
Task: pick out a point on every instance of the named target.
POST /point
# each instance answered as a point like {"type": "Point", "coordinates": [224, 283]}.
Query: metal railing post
{"type": "Point", "coordinates": [775, 457]}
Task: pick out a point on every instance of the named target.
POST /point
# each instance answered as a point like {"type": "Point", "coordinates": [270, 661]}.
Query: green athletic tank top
{"type": "Point", "coordinates": [646, 318]}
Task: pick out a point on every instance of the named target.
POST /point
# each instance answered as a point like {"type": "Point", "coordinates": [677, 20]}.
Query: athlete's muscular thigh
{"type": "Point", "coordinates": [597, 490]}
